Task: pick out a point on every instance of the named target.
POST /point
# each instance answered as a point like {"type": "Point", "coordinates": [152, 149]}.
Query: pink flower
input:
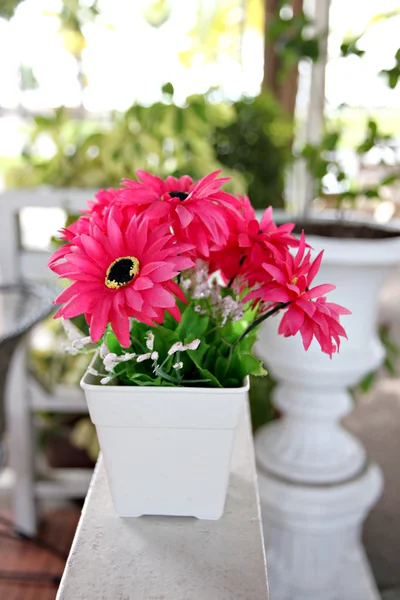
{"type": "Point", "coordinates": [251, 244]}
{"type": "Point", "coordinates": [199, 212]}
{"type": "Point", "coordinates": [288, 283]}
{"type": "Point", "coordinates": [103, 201]}
{"type": "Point", "coordinates": [120, 272]}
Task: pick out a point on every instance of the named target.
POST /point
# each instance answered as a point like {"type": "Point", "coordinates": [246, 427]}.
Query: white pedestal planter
{"type": "Point", "coordinates": [316, 484]}
{"type": "Point", "coordinates": [167, 451]}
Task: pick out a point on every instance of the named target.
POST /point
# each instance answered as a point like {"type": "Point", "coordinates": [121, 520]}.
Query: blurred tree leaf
{"type": "Point", "coordinates": [8, 7]}
{"type": "Point", "coordinates": [393, 75]}
{"type": "Point", "coordinates": [249, 140]}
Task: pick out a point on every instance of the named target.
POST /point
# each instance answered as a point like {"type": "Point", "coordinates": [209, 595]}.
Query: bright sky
{"type": "Point", "coordinates": [352, 80]}
{"type": "Point", "coordinates": [126, 59]}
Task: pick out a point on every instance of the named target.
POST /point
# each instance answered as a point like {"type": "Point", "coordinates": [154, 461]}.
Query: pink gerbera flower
{"type": "Point", "coordinates": [121, 272]}
{"type": "Point", "coordinates": [251, 244]}
{"type": "Point", "coordinates": [288, 282]}
{"type": "Point", "coordinates": [103, 201]}
{"type": "Point", "coordinates": [200, 212]}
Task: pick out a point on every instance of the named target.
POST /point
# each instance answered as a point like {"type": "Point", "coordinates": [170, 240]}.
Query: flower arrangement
{"type": "Point", "coordinates": [174, 277]}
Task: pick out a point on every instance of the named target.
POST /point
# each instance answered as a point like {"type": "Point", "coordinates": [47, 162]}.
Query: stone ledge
{"type": "Point", "coordinates": [169, 558]}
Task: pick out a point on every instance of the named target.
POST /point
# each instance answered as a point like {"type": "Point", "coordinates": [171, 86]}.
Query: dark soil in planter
{"type": "Point", "coordinates": [345, 230]}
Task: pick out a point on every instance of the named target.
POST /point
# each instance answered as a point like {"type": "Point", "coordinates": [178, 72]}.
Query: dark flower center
{"type": "Point", "coordinates": [181, 195]}
{"type": "Point", "coordinates": [121, 272]}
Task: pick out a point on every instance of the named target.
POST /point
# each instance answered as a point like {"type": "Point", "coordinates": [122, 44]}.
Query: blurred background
{"type": "Point", "coordinates": [299, 102]}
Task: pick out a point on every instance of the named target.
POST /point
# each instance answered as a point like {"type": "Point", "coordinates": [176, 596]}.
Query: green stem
{"type": "Point", "coordinates": [257, 322]}
{"type": "Point", "coordinates": [139, 343]}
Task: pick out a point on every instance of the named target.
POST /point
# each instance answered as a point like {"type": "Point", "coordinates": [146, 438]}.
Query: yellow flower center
{"type": "Point", "coordinates": [295, 280]}
{"type": "Point", "coordinates": [121, 272]}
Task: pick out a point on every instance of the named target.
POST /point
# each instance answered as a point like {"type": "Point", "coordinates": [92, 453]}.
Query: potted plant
{"type": "Point", "coordinates": [174, 279]}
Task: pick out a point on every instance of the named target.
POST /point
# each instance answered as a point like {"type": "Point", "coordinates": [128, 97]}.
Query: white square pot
{"type": "Point", "coordinates": [167, 451]}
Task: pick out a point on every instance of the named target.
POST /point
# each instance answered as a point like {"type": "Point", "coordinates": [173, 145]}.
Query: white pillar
{"type": "Point", "coordinates": [301, 184]}
{"type": "Point", "coordinates": [316, 482]}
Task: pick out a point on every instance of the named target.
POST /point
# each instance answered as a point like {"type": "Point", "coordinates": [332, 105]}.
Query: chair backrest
{"type": "Point", "coordinates": [16, 260]}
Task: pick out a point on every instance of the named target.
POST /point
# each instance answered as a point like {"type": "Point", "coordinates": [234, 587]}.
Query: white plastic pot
{"type": "Point", "coordinates": [167, 450]}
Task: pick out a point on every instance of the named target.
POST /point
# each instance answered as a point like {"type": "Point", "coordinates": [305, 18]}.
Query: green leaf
{"type": "Point", "coordinates": [168, 89]}
{"type": "Point", "coordinates": [252, 365]}
{"type": "Point", "coordinates": [113, 344]}
{"type": "Point", "coordinates": [368, 381]}
{"type": "Point", "coordinates": [206, 374]}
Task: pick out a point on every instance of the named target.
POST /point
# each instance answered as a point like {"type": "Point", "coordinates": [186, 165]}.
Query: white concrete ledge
{"type": "Point", "coordinates": [168, 558]}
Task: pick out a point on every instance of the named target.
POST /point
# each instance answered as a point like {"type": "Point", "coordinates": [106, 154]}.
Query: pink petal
{"type": "Point", "coordinates": [307, 333]}
{"type": "Point", "coordinates": [99, 318]}
{"type": "Point", "coordinates": [133, 298]}
{"type": "Point", "coordinates": [266, 218]}
{"type": "Point", "coordinates": [174, 312]}
{"type": "Point", "coordinates": [142, 283]}
{"type": "Point", "coordinates": [314, 268]}
{"type": "Point", "coordinates": [151, 266]}
{"type": "Point", "coordinates": [244, 240]}
{"type": "Point", "coordinates": [154, 183]}
{"type": "Point", "coordinates": [300, 251]}
{"type": "Point", "coordinates": [93, 249]}
{"type": "Point", "coordinates": [319, 290]}
{"type": "Point", "coordinates": [158, 210]}
{"type": "Point", "coordinates": [175, 289]}
{"type": "Point", "coordinates": [120, 326]}
{"type": "Point", "coordinates": [159, 297]}
{"type": "Point", "coordinates": [294, 318]}
{"type": "Point", "coordinates": [185, 216]}
{"type": "Point", "coordinates": [307, 306]}
{"type": "Point", "coordinates": [115, 239]}
{"type": "Point", "coordinates": [275, 273]}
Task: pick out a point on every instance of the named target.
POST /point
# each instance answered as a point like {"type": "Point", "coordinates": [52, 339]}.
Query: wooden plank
{"type": "Point", "coordinates": [72, 199]}
{"type": "Point", "coordinates": [55, 483]}
{"type": "Point", "coordinates": [171, 558]}
{"type": "Point", "coordinates": [66, 399]}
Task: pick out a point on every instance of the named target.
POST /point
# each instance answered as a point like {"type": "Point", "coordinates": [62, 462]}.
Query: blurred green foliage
{"type": "Point", "coordinates": [392, 353]}
{"type": "Point", "coordinates": [257, 143]}
{"type": "Point", "coordinates": [249, 140]}
{"type": "Point", "coordinates": [291, 36]}
{"type": "Point", "coordinates": [260, 399]}
{"type": "Point", "coordinates": [322, 160]}
{"type": "Point", "coordinates": [7, 8]}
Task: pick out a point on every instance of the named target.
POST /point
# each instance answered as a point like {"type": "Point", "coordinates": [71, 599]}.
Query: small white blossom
{"type": "Point", "coordinates": [192, 346]}
{"type": "Point", "coordinates": [92, 371]}
{"type": "Point", "coordinates": [81, 342]}
{"type": "Point", "coordinates": [178, 365]}
{"type": "Point", "coordinates": [70, 350]}
{"type": "Point", "coordinates": [154, 356]}
{"type": "Point", "coordinates": [110, 361]}
{"type": "Point", "coordinates": [186, 283]}
{"type": "Point", "coordinates": [125, 357]}
{"type": "Point", "coordinates": [105, 380]}
{"type": "Point", "coordinates": [177, 347]}
{"type": "Point", "coordinates": [104, 350]}
{"type": "Point", "coordinates": [150, 340]}
{"type": "Point", "coordinates": [71, 331]}
{"type": "Point", "coordinates": [143, 357]}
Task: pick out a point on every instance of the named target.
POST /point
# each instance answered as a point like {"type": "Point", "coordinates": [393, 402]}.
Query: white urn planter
{"type": "Point", "coordinates": [316, 483]}
{"type": "Point", "coordinates": [167, 450]}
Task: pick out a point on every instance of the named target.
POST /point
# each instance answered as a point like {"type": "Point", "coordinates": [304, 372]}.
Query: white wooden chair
{"type": "Point", "coordinates": [24, 395]}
